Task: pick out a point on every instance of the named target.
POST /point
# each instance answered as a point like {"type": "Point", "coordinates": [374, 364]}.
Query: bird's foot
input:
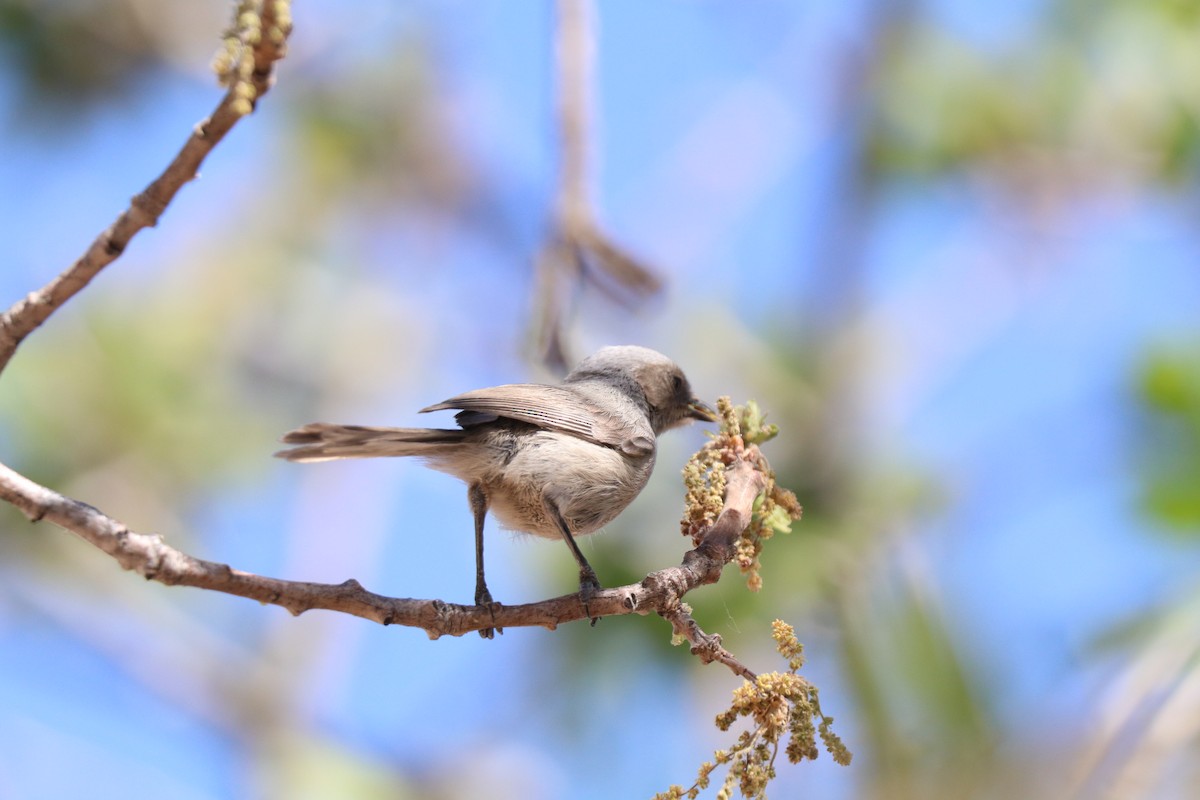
{"type": "Point", "coordinates": [483, 599]}
{"type": "Point", "coordinates": [588, 586]}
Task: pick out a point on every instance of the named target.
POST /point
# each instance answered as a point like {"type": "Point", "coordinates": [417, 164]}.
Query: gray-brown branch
{"type": "Point", "coordinates": [659, 592]}
{"type": "Point", "coordinates": [146, 207]}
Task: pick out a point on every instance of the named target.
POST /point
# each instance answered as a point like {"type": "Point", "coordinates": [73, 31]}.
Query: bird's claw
{"type": "Point", "coordinates": [588, 586]}
{"type": "Point", "coordinates": [483, 599]}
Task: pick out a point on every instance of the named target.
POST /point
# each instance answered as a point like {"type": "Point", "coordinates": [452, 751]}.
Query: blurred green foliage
{"type": "Point", "coordinates": [376, 156]}
{"type": "Point", "coordinates": [1169, 388]}
{"type": "Point", "coordinates": [67, 53]}
{"type": "Point", "coordinates": [1102, 88]}
{"type": "Point", "coordinates": [167, 386]}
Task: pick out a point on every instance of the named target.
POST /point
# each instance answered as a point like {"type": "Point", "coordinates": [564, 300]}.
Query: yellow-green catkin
{"type": "Point", "coordinates": [234, 63]}
{"type": "Point", "coordinates": [784, 710]}
{"type": "Point", "coordinates": [743, 429]}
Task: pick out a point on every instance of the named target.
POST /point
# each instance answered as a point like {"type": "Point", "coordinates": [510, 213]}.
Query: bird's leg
{"type": "Point", "coordinates": [477, 497]}
{"type": "Point", "coordinates": [588, 584]}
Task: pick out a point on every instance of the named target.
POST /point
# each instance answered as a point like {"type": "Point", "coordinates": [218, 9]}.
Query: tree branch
{"type": "Point", "coordinates": [707, 647]}
{"type": "Point", "coordinates": [660, 591]}
{"type": "Point", "coordinates": [146, 207]}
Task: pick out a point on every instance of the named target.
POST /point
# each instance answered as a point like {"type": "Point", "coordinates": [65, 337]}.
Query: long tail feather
{"type": "Point", "coordinates": [319, 441]}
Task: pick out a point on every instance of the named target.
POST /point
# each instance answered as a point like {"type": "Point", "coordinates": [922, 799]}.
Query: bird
{"type": "Point", "coordinates": [556, 461]}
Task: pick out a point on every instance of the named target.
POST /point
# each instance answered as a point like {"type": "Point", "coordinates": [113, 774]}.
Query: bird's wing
{"type": "Point", "coordinates": [553, 408]}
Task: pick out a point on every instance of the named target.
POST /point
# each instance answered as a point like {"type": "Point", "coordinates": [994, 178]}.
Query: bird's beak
{"type": "Point", "coordinates": [697, 410]}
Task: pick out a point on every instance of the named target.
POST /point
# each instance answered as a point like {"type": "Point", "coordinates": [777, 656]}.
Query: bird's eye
{"type": "Point", "coordinates": [676, 382]}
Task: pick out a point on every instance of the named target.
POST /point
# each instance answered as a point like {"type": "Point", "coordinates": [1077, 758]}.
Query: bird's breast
{"type": "Point", "coordinates": [589, 484]}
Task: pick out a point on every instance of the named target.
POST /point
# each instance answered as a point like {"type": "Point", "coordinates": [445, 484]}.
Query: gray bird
{"type": "Point", "coordinates": [554, 461]}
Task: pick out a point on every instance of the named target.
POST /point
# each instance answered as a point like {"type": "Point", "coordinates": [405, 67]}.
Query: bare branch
{"type": "Point", "coordinates": [151, 557]}
{"type": "Point", "coordinates": [705, 646]}
{"type": "Point", "coordinates": [145, 208]}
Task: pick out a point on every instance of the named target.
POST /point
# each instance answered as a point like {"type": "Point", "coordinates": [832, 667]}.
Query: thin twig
{"type": "Point", "coordinates": [706, 646]}
{"type": "Point", "coordinates": [147, 207]}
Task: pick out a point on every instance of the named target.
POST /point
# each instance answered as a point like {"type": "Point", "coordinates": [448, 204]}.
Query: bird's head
{"type": "Point", "coordinates": [668, 395]}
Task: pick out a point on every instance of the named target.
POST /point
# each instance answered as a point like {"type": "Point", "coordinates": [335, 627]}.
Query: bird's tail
{"type": "Point", "coordinates": [319, 441]}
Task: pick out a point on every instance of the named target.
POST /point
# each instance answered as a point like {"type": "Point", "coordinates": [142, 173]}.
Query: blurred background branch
{"type": "Point", "coordinates": [578, 251]}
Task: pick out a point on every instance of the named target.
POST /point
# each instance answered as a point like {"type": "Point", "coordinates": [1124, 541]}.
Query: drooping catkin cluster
{"type": "Point", "coordinates": [784, 708]}
{"type": "Point", "coordinates": [742, 429]}
{"type": "Point", "coordinates": [234, 62]}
